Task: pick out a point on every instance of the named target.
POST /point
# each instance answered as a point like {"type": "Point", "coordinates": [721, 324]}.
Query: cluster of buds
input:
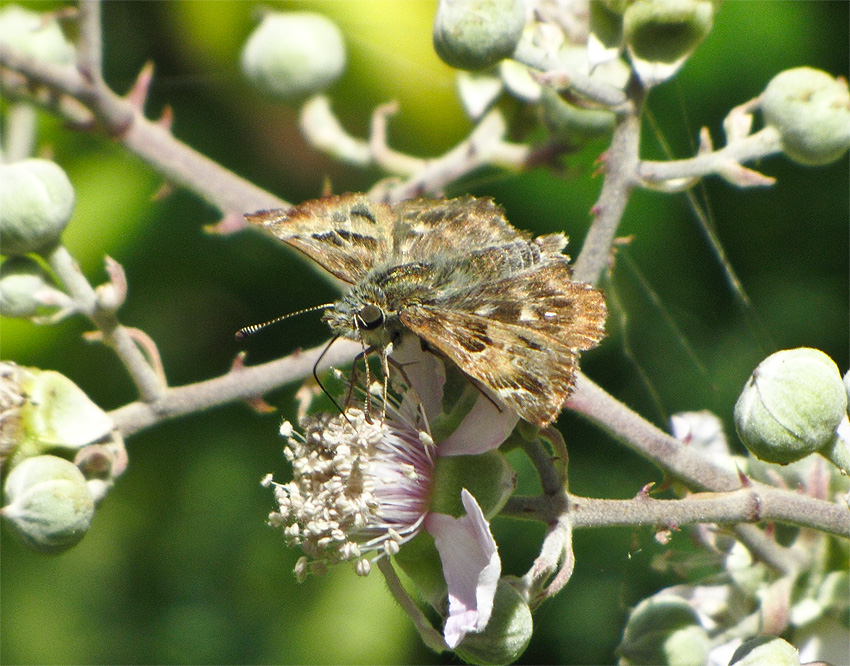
{"type": "Point", "coordinates": [59, 455]}
{"type": "Point", "coordinates": [59, 452]}
{"type": "Point", "coordinates": [790, 415]}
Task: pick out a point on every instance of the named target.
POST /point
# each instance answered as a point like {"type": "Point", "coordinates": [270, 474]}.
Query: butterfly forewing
{"type": "Point", "coordinates": [345, 234]}
{"type": "Point", "coordinates": [428, 229]}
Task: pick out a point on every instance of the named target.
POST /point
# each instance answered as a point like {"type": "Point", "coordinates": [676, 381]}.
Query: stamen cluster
{"type": "Point", "coordinates": [360, 485]}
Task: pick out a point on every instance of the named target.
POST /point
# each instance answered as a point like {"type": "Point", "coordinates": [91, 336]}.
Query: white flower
{"type": "Point", "coordinates": [362, 488]}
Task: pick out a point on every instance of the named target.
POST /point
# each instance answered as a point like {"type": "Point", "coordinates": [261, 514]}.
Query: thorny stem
{"type": "Point", "coordinates": [747, 505]}
{"type": "Point", "coordinates": [148, 382]}
{"type": "Point", "coordinates": [241, 383]}
{"type": "Point", "coordinates": [762, 144]}
{"type": "Point", "coordinates": [620, 161]}
{"type": "Point", "coordinates": [700, 473]}
{"type": "Point", "coordinates": [485, 145]}
{"type": "Point", "coordinates": [641, 436]}
{"type": "Point", "coordinates": [123, 119]}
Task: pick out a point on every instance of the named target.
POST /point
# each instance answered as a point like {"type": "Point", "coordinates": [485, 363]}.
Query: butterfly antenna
{"type": "Point", "coordinates": [243, 333]}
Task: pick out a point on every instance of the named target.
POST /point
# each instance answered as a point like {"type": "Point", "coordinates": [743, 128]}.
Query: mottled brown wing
{"type": "Point", "coordinates": [520, 367]}
{"type": "Point", "coordinates": [524, 350]}
{"type": "Point", "coordinates": [345, 234]}
{"type": "Point", "coordinates": [429, 228]}
{"type": "Point", "coordinates": [542, 298]}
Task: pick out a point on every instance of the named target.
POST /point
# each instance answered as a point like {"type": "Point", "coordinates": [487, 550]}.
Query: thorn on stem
{"type": "Point", "coordinates": [138, 93]}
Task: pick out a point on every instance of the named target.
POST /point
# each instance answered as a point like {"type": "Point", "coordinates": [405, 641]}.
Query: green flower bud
{"type": "Point", "coordinates": [488, 476]}
{"type": "Point", "coordinates": [507, 633]}
{"type": "Point", "coordinates": [664, 630]}
{"type": "Point", "coordinates": [811, 111]}
{"type": "Point", "coordinates": [35, 35]}
{"type": "Point", "coordinates": [571, 124]}
{"type": "Point", "coordinates": [23, 283]}
{"type": "Point", "coordinates": [36, 202]}
{"type": "Point", "coordinates": [791, 406]}
{"type": "Point", "coordinates": [661, 34]}
{"type": "Point", "coordinates": [475, 34]}
{"type": "Point", "coordinates": [48, 504]}
{"type": "Point", "coordinates": [51, 413]}
{"type": "Point", "coordinates": [765, 651]}
{"type": "Point", "coordinates": [291, 56]}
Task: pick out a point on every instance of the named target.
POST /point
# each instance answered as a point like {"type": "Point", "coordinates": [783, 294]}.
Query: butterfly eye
{"type": "Point", "coordinates": [371, 316]}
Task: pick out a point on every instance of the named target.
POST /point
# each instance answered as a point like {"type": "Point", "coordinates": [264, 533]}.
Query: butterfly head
{"type": "Point", "coordinates": [361, 318]}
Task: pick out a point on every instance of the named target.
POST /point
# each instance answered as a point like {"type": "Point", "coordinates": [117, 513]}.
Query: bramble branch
{"type": "Point", "coordinates": [755, 504]}
{"type": "Point", "coordinates": [86, 102]}
{"type": "Point", "coordinates": [241, 383]}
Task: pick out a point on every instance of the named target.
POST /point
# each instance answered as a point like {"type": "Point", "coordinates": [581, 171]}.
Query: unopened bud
{"type": "Point", "coordinates": [507, 633]}
{"type": "Point", "coordinates": [811, 111]}
{"type": "Point", "coordinates": [35, 35]}
{"type": "Point", "coordinates": [48, 503]}
{"type": "Point", "coordinates": [291, 56]}
{"type": "Point", "coordinates": [475, 34]}
{"type": "Point", "coordinates": [764, 651]}
{"type": "Point", "coordinates": [664, 630]}
{"type": "Point", "coordinates": [36, 202]}
{"type": "Point", "coordinates": [791, 406]}
{"type": "Point", "coordinates": [24, 287]}
{"type": "Point", "coordinates": [661, 34]}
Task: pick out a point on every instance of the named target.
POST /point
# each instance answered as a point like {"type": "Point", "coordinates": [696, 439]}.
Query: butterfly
{"type": "Point", "coordinates": [491, 299]}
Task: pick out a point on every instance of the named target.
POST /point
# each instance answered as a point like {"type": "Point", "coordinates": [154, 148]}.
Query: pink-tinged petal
{"type": "Point", "coordinates": [471, 567]}
{"type": "Point", "coordinates": [484, 429]}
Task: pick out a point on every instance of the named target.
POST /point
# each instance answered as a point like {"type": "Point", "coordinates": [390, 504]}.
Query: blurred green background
{"type": "Point", "coordinates": [179, 566]}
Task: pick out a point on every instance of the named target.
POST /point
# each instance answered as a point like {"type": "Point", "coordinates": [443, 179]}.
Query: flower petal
{"type": "Point", "coordinates": [424, 370]}
{"type": "Point", "coordinates": [484, 429]}
{"type": "Point", "coordinates": [471, 567]}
